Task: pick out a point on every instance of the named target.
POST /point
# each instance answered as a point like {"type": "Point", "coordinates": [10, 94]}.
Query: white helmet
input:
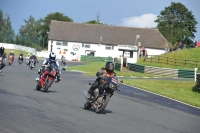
{"type": "Point", "coordinates": [28, 54]}
{"type": "Point", "coordinates": [52, 56]}
{"type": "Point", "coordinates": [33, 54]}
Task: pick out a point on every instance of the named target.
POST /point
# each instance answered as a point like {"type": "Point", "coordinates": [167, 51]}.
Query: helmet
{"type": "Point", "coordinates": [28, 54]}
{"type": "Point", "coordinates": [52, 56]}
{"type": "Point", "coordinates": [2, 48]}
{"type": "Point", "coordinates": [109, 66]}
{"type": "Point", "coordinates": [33, 54]}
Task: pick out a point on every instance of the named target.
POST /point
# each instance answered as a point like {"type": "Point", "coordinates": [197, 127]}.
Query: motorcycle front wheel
{"type": "Point", "coordinates": [47, 85]}
{"type": "Point", "coordinates": [87, 105]}
{"type": "Point", "coordinates": [102, 105]}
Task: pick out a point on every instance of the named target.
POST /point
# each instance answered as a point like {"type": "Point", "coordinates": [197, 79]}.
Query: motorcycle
{"type": "Point", "coordinates": [10, 59]}
{"type": "Point", "coordinates": [27, 60]}
{"type": "Point", "coordinates": [1, 61]}
{"type": "Point", "coordinates": [32, 63]}
{"type": "Point", "coordinates": [63, 59]}
{"type": "Point", "coordinates": [20, 59]}
{"type": "Point", "coordinates": [51, 73]}
{"type": "Point", "coordinates": [101, 95]}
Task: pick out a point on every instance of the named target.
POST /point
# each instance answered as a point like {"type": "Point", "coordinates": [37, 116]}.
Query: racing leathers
{"type": "Point", "coordinates": [43, 73]}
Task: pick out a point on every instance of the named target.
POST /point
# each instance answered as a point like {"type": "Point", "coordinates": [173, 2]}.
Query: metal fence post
{"type": "Point", "coordinates": [195, 74]}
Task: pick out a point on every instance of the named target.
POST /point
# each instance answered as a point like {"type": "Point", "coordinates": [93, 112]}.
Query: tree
{"type": "Point", "coordinates": [46, 24]}
{"type": "Point", "coordinates": [30, 33]}
{"type": "Point", "coordinates": [93, 22]}
{"type": "Point", "coordinates": [6, 31]}
{"type": "Point", "coordinates": [1, 25]}
{"type": "Point", "coordinates": [177, 24]}
{"type": "Point", "coordinates": [9, 33]}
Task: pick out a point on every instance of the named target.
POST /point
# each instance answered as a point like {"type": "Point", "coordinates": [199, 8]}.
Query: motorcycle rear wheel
{"type": "Point", "coordinates": [47, 85]}
{"type": "Point", "coordinates": [100, 108]}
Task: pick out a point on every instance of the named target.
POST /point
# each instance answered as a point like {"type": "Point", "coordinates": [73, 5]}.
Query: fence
{"type": "Point", "coordinates": [168, 72]}
{"type": "Point", "coordinates": [95, 59]}
{"type": "Point", "coordinates": [118, 66]}
{"type": "Point", "coordinates": [198, 81]}
{"type": "Point", "coordinates": [172, 61]}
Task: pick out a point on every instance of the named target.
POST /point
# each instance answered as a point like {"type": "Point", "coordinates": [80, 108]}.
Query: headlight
{"type": "Point", "coordinates": [112, 86]}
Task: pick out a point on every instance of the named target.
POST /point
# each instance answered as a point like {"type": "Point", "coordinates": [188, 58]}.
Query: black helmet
{"type": "Point", "coordinates": [2, 49]}
{"type": "Point", "coordinates": [109, 66]}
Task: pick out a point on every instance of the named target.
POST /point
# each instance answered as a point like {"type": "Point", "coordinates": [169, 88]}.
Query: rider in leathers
{"type": "Point", "coordinates": [51, 59]}
{"type": "Point", "coordinates": [108, 71]}
{"type": "Point", "coordinates": [33, 57]}
{"type": "Point", "coordinates": [3, 55]}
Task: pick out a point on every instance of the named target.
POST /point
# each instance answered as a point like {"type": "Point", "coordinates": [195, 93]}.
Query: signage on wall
{"type": "Point", "coordinates": [76, 47]}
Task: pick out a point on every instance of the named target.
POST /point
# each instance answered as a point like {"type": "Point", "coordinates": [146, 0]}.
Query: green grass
{"type": "Point", "coordinates": [180, 90]}
{"type": "Point", "coordinates": [184, 91]}
{"type": "Point", "coordinates": [186, 54]}
{"type": "Point", "coordinates": [16, 52]}
{"type": "Point", "coordinates": [92, 67]}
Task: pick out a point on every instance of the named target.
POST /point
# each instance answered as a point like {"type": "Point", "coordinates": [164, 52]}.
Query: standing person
{"type": "Point", "coordinates": [166, 47]}
{"type": "Point", "coordinates": [3, 56]}
{"type": "Point", "coordinates": [108, 71]}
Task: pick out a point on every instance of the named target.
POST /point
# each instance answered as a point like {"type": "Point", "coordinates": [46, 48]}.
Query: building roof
{"type": "Point", "coordinates": [105, 34]}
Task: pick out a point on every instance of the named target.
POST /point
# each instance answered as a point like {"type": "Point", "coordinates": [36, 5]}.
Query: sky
{"type": "Point", "coordinates": [131, 13]}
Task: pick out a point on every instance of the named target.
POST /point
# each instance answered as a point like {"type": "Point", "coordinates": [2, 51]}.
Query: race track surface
{"type": "Point", "coordinates": [26, 110]}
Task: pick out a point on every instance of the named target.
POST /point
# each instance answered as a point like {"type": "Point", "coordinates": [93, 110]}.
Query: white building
{"type": "Point", "coordinates": [66, 38]}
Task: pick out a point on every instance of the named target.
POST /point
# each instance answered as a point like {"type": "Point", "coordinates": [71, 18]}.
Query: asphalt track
{"type": "Point", "coordinates": [60, 110]}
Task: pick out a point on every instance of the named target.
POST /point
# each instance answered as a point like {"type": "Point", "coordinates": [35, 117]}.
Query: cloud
{"type": "Point", "coordinates": [143, 21]}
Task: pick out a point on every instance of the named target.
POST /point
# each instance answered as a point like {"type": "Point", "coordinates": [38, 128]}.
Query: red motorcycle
{"type": "Point", "coordinates": [48, 77]}
{"type": "Point", "coordinates": [10, 59]}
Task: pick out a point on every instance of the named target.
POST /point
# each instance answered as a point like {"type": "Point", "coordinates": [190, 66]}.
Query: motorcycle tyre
{"type": "Point", "coordinates": [87, 105]}
{"type": "Point", "coordinates": [101, 109]}
{"type": "Point", "coordinates": [47, 85]}
{"type": "Point", "coordinates": [38, 87]}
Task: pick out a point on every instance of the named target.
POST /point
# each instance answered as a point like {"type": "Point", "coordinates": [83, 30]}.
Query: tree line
{"type": "Point", "coordinates": [176, 23]}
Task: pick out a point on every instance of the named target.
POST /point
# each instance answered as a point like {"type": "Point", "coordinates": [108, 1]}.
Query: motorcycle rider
{"type": "Point", "coordinates": [108, 71]}
{"type": "Point", "coordinates": [12, 53]}
{"type": "Point", "coordinates": [50, 60]}
{"type": "Point", "coordinates": [3, 55]}
{"type": "Point", "coordinates": [21, 56]}
{"type": "Point", "coordinates": [27, 58]}
{"type": "Point", "coordinates": [33, 57]}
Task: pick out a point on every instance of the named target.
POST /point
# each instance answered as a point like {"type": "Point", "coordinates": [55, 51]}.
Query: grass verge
{"type": "Point", "coordinates": [179, 90]}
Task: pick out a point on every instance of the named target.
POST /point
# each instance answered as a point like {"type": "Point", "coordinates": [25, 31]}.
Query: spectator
{"type": "Point", "coordinates": [143, 51]}
{"type": "Point", "coordinates": [166, 47]}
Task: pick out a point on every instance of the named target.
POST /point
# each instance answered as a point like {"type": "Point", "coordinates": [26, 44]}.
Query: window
{"type": "Point", "coordinates": [109, 47]}
{"type": "Point", "coordinates": [64, 43]}
{"type": "Point", "coordinates": [87, 45]}
{"type": "Point", "coordinates": [58, 43]}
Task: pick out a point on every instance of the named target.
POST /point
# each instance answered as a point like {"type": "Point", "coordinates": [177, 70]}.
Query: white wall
{"type": "Point", "coordinates": [99, 48]}
{"type": "Point", "coordinates": [24, 48]}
